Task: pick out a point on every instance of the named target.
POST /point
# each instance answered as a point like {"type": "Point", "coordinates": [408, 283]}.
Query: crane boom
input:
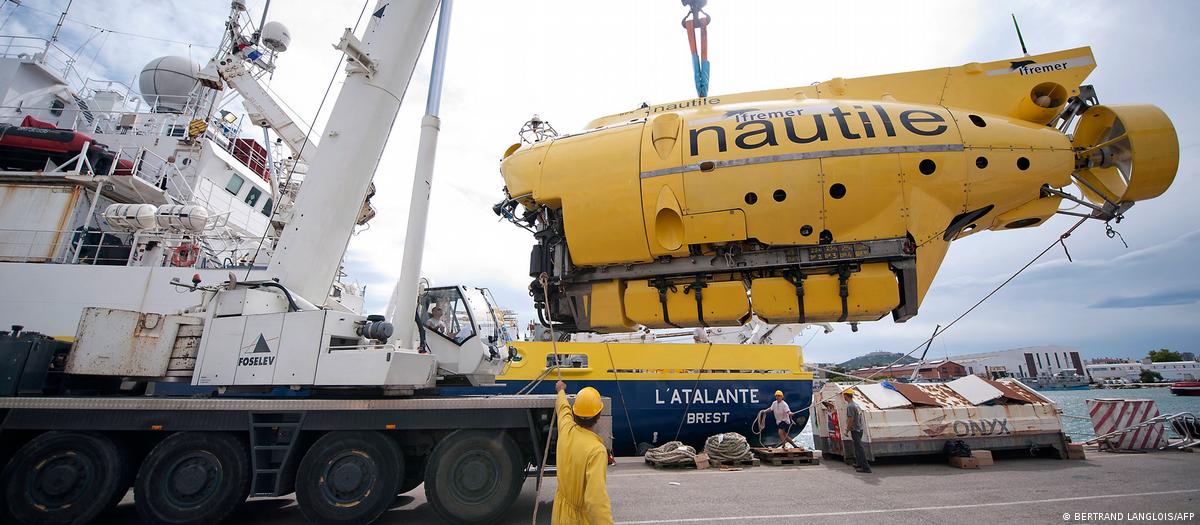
{"type": "Point", "coordinates": [378, 72]}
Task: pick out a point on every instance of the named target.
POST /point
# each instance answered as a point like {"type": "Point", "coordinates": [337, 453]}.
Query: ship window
{"type": "Point", "coordinates": [235, 184]}
{"type": "Point", "coordinates": [568, 360]}
{"type": "Point", "coordinates": [266, 210]}
{"type": "Point", "coordinates": [56, 107]}
{"type": "Point", "coordinates": [252, 196]}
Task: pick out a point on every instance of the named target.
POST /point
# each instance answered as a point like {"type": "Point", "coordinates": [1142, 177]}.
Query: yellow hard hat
{"type": "Point", "coordinates": [587, 402]}
{"type": "Point", "coordinates": [849, 391]}
{"type": "Point", "coordinates": [779, 393]}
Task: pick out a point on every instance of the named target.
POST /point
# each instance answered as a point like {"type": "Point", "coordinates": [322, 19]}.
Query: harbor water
{"type": "Point", "coordinates": [1074, 403]}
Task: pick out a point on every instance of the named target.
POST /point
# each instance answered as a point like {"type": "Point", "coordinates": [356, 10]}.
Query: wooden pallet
{"type": "Point", "coordinates": [752, 462]}
{"type": "Point", "coordinates": [789, 456]}
{"type": "Point", "coordinates": [662, 466]}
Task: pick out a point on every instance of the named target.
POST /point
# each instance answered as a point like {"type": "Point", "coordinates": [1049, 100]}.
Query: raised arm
{"type": "Point", "coordinates": [566, 420]}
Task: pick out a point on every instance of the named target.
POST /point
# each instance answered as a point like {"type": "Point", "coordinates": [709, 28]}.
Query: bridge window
{"type": "Point", "coordinates": [235, 184]}
{"type": "Point", "coordinates": [252, 196]}
{"type": "Point", "coordinates": [266, 209]}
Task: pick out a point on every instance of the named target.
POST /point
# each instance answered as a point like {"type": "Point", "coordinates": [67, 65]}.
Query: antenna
{"type": "Point", "coordinates": [1019, 37]}
{"type": "Point", "coordinates": [61, 18]}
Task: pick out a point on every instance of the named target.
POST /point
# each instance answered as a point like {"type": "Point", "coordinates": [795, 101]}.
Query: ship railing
{"type": "Point", "coordinates": [157, 171]}
{"type": "Point", "coordinates": [109, 248]}
{"type": "Point", "coordinates": [93, 247]}
{"type": "Point", "coordinates": [41, 51]}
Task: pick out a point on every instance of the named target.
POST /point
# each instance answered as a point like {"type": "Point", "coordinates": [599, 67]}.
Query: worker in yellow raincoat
{"type": "Point", "coordinates": [582, 495]}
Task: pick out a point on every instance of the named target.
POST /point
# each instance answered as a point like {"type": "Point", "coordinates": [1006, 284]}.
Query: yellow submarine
{"type": "Point", "coordinates": [834, 202]}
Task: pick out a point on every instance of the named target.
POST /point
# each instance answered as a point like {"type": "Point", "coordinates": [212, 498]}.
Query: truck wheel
{"type": "Point", "coordinates": [349, 477]}
{"type": "Point", "coordinates": [192, 478]}
{"type": "Point", "coordinates": [474, 476]}
{"type": "Point", "coordinates": [64, 477]}
{"type": "Point", "coordinates": [414, 473]}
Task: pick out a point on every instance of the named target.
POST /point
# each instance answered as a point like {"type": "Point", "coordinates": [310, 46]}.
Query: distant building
{"type": "Point", "coordinates": [942, 370]}
{"type": "Point", "coordinates": [1106, 360]}
{"type": "Point", "coordinates": [1187, 356]}
{"type": "Point", "coordinates": [1031, 361]}
{"type": "Point", "coordinates": [1132, 372]}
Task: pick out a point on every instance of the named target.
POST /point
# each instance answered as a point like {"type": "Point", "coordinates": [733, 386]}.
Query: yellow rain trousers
{"type": "Point", "coordinates": [582, 495]}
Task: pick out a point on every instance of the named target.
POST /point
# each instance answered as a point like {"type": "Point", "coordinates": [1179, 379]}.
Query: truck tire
{"type": "Point", "coordinates": [64, 477]}
{"type": "Point", "coordinates": [192, 478]}
{"type": "Point", "coordinates": [474, 476]}
{"type": "Point", "coordinates": [349, 477]}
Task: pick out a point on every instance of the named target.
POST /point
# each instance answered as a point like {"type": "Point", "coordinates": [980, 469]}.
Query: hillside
{"type": "Point", "coordinates": [875, 359]}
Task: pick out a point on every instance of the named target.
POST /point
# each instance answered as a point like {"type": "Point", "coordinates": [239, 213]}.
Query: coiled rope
{"type": "Point", "coordinates": [760, 422]}
{"type": "Point", "coordinates": [671, 453]}
{"type": "Point", "coordinates": [545, 282]}
{"type": "Point", "coordinates": [729, 446]}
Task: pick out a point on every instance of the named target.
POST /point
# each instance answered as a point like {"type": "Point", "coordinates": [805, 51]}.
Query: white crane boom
{"type": "Point", "coordinates": [379, 68]}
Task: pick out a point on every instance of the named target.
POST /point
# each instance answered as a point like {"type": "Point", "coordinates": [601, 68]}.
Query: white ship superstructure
{"type": "Point", "coordinates": [109, 191]}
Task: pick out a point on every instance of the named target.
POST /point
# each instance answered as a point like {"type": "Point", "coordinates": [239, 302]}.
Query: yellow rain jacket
{"type": "Point", "coordinates": [582, 495]}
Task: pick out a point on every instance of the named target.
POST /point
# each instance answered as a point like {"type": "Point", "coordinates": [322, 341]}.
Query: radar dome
{"type": "Point", "coordinates": [167, 81]}
{"type": "Point", "coordinates": [276, 37]}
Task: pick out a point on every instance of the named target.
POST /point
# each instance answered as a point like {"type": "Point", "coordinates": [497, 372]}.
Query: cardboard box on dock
{"type": "Point", "coordinates": [1075, 451]}
{"type": "Point", "coordinates": [702, 460]}
{"type": "Point", "coordinates": [961, 462]}
{"type": "Point", "coordinates": [983, 457]}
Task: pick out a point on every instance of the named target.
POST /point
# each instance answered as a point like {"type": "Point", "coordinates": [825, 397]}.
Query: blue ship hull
{"type": "Point", "coordinates": [657, 411]}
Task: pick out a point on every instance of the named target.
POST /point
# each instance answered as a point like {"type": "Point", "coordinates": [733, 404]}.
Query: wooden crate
{"type": "Point", "coordinates": [961, 462]}
{"type": "Point", "coordinates": [984, 457]}
{"type": "Point", "coordinates": [702, 461]}
{"type": "Point", "coordinates": [1075, 451]}
{"type": "Point", "coordinates": [788, 456]}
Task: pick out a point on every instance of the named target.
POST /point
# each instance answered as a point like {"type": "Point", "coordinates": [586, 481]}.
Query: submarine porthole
{"type": "Point", "coordinates": [1022, 163]}
{"type": "Point", "coordinates": [837, 191]}
{"type": "Point", "coordinates": [978, 121]}
{"type": "Point", "coordinates": [826, 237]}
{"type": "Point", "coordinates": [751, 198]}
{"type": "Point", "coordinates": [981, 162]}
{"type": "Point", "coordinates": [779, 195]}
{"type": "Point", "coordinates": [806, 230]}
{"type": "Point", "coordinates": [927, 167]}
{"type": "Point", "coordinates": [707, 165]}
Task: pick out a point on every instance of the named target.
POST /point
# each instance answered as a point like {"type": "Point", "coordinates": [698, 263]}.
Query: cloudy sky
{"type": "Point", "coordinates": [573, 61]}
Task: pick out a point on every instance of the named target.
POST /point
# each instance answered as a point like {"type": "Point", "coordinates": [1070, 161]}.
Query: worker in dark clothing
{"type": "Point", "coordinates": [854, 415]}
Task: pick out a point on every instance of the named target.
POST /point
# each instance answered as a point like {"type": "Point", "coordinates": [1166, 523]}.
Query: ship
{"type": "Point", "coordinates": [667, 392]}
{"type": "Point", "coordinates": [186, 174]}
{"type": "Point", "coordinates": [1065, 379]}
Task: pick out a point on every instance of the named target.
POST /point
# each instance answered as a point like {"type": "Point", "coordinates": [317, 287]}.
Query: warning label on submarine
{"type": "Point", "coordinates": [834, 252]}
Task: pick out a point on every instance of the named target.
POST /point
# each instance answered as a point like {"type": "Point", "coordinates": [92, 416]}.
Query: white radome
{"type": "Point", "coordinates": [276, 37]}
{"type": "Point", "coordinates": [167, 81]}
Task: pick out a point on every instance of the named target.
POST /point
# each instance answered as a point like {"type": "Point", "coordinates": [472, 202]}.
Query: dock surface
{"type": "Point", "coordinates": [1016, 490]}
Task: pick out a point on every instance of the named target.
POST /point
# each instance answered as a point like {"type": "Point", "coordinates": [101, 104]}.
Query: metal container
{"type": "Point", "coordinates": [906, 419]}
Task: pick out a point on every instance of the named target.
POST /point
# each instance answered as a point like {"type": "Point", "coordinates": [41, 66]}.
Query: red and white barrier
{"type": "Point", "coordinates": [1110, 415]}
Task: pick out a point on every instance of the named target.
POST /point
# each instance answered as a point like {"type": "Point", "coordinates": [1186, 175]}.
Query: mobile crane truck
{"type": "Point", "coordinates": [316, 401]}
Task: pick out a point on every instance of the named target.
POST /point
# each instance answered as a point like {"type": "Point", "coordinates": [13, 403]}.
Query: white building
{"type": "Point", "coordinates": [1170, 371]}
{"type": "Point", "coordinates": [1031, 361]}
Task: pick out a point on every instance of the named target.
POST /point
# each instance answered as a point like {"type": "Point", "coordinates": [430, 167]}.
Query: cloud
{"type": "Point", "coordinates": [1161, 298]}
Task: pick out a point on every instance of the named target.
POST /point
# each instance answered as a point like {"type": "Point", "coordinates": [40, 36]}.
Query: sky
{"type": "Point", "coordinates": [570, 62]}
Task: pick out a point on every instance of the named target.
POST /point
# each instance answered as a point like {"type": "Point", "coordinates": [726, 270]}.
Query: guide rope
{"type": "Point", "coordinates": [697, 21]}
{"type": "Point", "coordinates": [544, 280]}
{"type": "Point", "coordinates": [1056, 242]}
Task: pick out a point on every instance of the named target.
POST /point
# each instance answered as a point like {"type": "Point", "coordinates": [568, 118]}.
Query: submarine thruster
{"type": "Point", "coordinates": [823, 203]}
